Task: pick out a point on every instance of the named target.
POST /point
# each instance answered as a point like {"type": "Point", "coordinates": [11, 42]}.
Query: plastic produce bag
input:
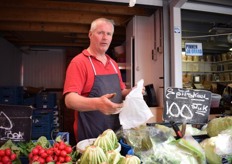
{"type": "Point", "coordinates": [135, 111]}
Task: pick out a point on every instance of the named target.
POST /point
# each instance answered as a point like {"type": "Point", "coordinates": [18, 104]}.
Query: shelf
{"type": "Point", "coordinates": [222, 81]}
{"type": "Point", "coordinates": [197, 72]}
{"type": "Point", "coordinates": [197, 62]}
{"type": "Point", "coordinates": [122, 65]}
{"type": "Point", "coordinates": [212, 62]}
{"type": "Point", "coordinates": [225, 71]}
{"type": "Point", "coordinates": [221, 62]}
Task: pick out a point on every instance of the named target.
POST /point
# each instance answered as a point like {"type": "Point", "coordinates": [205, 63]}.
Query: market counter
{"type": "Point", "coordinates": [158, 114]}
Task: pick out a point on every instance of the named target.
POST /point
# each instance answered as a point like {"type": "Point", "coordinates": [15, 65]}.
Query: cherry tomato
{"type": "Point", "coordinates": [2, 152]}
{"type": "Point", "coordinates": [68, 149]}
{"type": "Point", "coordinates": [68, 159]}
{"type": "Point", "coordinates": [61, 159]}
{"type": "Point", "coordinates": [5, 159]}
{"type": "Point", "coordinates": [63, 153]}
{"type": "Point", "coordinates": [35, 151]}
{"type": "Point", "coordinates": [49, 159]}
{"type": "Point", "coordinates": [13, 156]}
{"type": "Point", "coordinates": [8, 151]}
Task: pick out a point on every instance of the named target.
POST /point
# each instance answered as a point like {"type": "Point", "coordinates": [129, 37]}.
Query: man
{"type": "Point", "coordinates": [93, 85]}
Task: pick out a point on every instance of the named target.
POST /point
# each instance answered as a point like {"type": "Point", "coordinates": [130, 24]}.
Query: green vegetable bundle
{"type": "Point", "coordinates": [93, 155]}
{"type": "Point", "coordinates": [104, 151]}
{"type": "Point", "coordinates": [107, 140]}
{"type": "Point", "coordinates": [217, 125]}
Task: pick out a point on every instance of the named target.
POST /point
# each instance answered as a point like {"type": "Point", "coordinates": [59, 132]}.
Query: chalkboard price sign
{"type": "Point", "coordinates": [186, 105]}
{"type": "Point", "coordinates": [15, 123]}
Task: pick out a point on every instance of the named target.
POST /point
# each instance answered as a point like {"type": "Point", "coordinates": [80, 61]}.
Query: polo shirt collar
{"type": "Point", "coordinates": [86, 53]}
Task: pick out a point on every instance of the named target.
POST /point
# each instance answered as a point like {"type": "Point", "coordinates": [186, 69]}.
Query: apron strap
{"type": "Point", "coordinates": [92, 65]}
{"type": "Point", "coordinates": [113, 66]}
{"type": "Point", "coordinates": [94, 70]}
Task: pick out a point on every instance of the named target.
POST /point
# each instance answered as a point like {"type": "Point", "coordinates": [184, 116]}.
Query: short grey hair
{"type": "Point", "coordinates": [100, 20]}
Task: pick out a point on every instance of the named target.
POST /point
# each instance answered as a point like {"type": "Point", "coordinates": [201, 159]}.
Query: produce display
{"type": "Point", "coordinates": [59, 153]}
{"type": "Point", "coordinates": [38, 152]}
{"type": "Point", "coordinates": [158, 144]}
{"type": "Point", "coordinates": [103, 150]}
{"type": "Point", "coordinates": [7, 156]}
{"type": "Point", "coordinates": [153, 144]}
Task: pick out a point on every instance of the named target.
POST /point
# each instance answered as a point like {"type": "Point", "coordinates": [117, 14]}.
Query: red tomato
{"type": "Point", "coordinates": [35, 158]}
{"type": "Point", "coordinates": [61, 146]}
{"type": "Point", "coordinates": [39, 147]}
{"type": "Point", "coordinates": [41, 160]}
{"type": "Point", "coordinates": [63, 153]}
{"type": "Point", "coordinates": [44, 155]}
{"type": "Point", "coordinates": [35, 151]}
{"type": "Point", "coordinates": [30, 155]}
{"type": "Point", "coordinates": [2, 152]}
{"type": "Point", "coordinates": [5, 159]}
{"type": "Point", "coordinates": [49, 151]}
{"type": "Point", "coordinates": [68, 159]}
{"type": "Point", "coordinates": [56, 145]}
{"type": "Point", "coordinates": [68, 149]}
{"type": "Point", "coordinates": [13, 156]}
{"type": "Point", "coordinates": [49, 159]}
{"type": "Point", "coordinates": [41, 151]}
{"type": "Point", "coordinates": [61, 159]}
{"type": "Point", "coordinates": [57, 152]}
{"type": "Point", "coordinates": [8, 151]}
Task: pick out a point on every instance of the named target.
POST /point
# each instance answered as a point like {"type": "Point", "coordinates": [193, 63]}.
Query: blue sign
{"type": "Point", "coordinates": [193, 49]}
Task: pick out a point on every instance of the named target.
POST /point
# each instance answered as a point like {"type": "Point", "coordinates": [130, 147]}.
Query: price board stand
{"type": "Point", "coordinates": [187, 106]}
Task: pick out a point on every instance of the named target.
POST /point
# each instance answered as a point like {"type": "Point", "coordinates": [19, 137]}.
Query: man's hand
{"type": "Point", "coordinates": [108, 107]}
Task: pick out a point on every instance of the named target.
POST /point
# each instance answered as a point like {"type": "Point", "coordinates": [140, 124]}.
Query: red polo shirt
{"type": "Point", "coordinates": [80, 74]}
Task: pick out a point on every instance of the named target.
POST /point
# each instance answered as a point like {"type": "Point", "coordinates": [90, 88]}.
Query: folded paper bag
{"type": "Point", "coordinates": [135, 111]}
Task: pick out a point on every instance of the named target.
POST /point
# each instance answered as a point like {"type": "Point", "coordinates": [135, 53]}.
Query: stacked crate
{"type": "Point", "coordinates": [45, 118]}
{"type": "Point", "coordinates": [42, 123]}
{"type": "Point", "coordinates": [11, 95]}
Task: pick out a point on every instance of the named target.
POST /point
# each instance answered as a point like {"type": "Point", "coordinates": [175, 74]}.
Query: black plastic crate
{"type": "Point", "coordinates": [46, 100]}
{"type": "Point", "coordinates": [12, 95]}
{"type": "Point", "coordinates": [42, 123]}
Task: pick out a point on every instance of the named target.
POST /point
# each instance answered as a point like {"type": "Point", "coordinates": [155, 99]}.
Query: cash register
{"type": "Point", "coordinates": [197, 82]}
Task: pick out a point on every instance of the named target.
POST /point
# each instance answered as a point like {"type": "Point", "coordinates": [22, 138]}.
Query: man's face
{"type": "Point", "coordinates": [101, 37]}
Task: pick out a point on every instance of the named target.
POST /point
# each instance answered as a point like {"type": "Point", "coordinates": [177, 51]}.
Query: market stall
{"type": "Point", "coordinates": [186, 136]}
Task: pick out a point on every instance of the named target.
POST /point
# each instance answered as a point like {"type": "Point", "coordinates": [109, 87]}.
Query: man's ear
{"type": "Point", "coordinates": [90, 34]}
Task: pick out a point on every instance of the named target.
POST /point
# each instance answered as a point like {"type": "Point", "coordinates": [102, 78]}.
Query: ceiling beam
{"type": "Point", "coordinates": [77, 6]}
{"type": "Point", "coordinates": [51, 27]}
{"type": "Point", "coordinates": [55, 16]}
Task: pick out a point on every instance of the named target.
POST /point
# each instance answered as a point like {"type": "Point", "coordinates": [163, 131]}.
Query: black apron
{"type": "Point", "coordinates": [92, 123]}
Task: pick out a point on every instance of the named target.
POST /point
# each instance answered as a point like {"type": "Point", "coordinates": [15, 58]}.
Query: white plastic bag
{"type": "Point", "coordinates": [135, 111]}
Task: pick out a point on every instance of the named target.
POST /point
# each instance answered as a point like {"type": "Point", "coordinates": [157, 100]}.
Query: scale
{"type": "Point", "coordinates": [197, 82]}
